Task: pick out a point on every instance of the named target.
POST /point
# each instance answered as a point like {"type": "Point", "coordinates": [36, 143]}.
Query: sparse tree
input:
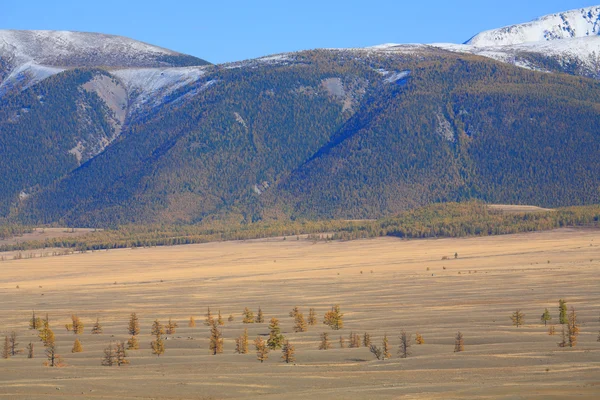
{"type": "Point", "coordinates": [342, 342]}
{"type": "Point", "coordinates": [35, 322]}
{"type": "Point", "coordinates": [459, 343]}
{"type": "Point", "coordinates": [551, 330]}
{"type": "Point", "coordinates": [563, 342]}
{"type": "Point", "coordinates": [404, 350]}
{"type": "Point", "coordinates": [192, 322]}
{"type": "Point", "coordinates": [354, 340]}
{"type": "Point", "coordinates": [562, 309]}
{"type": "Point", "coordinates": [333, 318]}
{"type": "Point", "coordinates": [216, 339]}
{"type": "Point", "coordinates": [299, 323]}
{"type": "Point", "coordinates": [386, 348]}
{"type": "Point", "coordinates": [518, 318]}
{"type": "Point", "coordinates": [220, 321]}
{"type": "Point", "coordinates": [262, 350]}
{"type": "Point", "coordinates": [6, 348]}
{"type": "Point", "coordinates": [241, 343]}
{"type": "Point", "coordinates": [288, 351]}
{"type": "Point", "coordinates": [54, 359]}
{"type": "Point", "coordinates": [158, 345]}
{"type": "Point", "coordinates": [77, 348]}
{"type": "Point", "coordinates": [134, 325]}
{"type": "Point", "coordinates": [294, 312]}
{"type": "Point", "coordinates": [77, 325]}
{"type": "Point", "coordinates": [133, 343]}
{"type": "Point", "coordinates": [312, 317]}
{"type": "Point", "coordinates": [230, 319]}
{"type": "Point", "coordinates": [366, 340]}
{"type": "Point", "coordinates": [121, 354]}
{"type": "Point", "coordinates": [325, 344]}
{"type": "Point", "coordinates": [110, 357]}
{"type": "Point", "coordinates": [157, 329]}
{"type": "Point", "coordinates": [248, 316]}
{"type": "Point", "coordinates": [171, 327]}
{"type": "Point", "coordinates": [419, 338]}
{"type": "Point", "coordinates": [546, 317]}
{"type": "Point", "coordinates": [376, 351]}
{"type": "Point", "coordinates": [260, 318]}
{"type": "Point", "coordinates": [208, 318]}
{"type": "Point", "coordinates": [573, 328]}
{"type": "Point", "coordinates": [30, 350]}
{"type": "Point", "coordinates": [275, 340]}
{"type": "Point", "coordinates": [13, 344]}
{"type": "Point", "coordinates": [97, 328]}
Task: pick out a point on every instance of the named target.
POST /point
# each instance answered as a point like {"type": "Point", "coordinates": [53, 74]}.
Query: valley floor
{"type": "Point", "coordinates": [382, 285]}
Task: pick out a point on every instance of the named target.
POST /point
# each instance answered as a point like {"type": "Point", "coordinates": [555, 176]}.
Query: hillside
{"type": "Point", "coordinates": [357, 133]}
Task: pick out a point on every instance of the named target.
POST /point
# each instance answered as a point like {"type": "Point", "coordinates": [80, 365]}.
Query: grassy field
{"type": "Point", "coordinates": [382, 285]}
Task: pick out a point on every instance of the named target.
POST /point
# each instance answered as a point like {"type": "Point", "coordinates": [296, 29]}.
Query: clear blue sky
{"type": "Point", "coordinates": [230, 30]}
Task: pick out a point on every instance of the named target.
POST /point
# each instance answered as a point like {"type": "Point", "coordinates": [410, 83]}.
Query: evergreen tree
{"type": "Point", "coordinates": [404, 350]}
{"type": "Point", "coordinates": [459, 343]}
{"type": "Point", "coordinates": [171, 327]}
{"type": "Point", "coordinates": [208, 318]}
{"type": "Point", "coordinates": [518, 318]}
{"type": "Point", "coordinates": [288, 351]}
{"type": "Point", "coordinates": [121, 354]}
{"type": "Point", "coordinates": [97, 328]}
{"type": "Point", "coordinates": [333, 318]}
{"type": "Point", "coordinates": [300, 324]}
{"type": "Point", "coordinates": [546, 317]}
{"type": "Point", "coordinates": [133, 343]}
{"type": "Point", "coordinates": [325, 344]}
{"type": "Point", "coordinates": [134, 325]}
{"type": "Point", "coordinates": [275, 340]}
{"type": "Point", "coordinates": [216, 339]}
{"type": "Point", "coordinates": [562, 309]}
{"type": "Point", "coordinates": [30, 350]}
{"type": "Point", "coordinates": [192, 322]}
{"type": "Point", "coordinates": [110, 357]}
{"type": "Point", "coordinates": [260, 318]}
{"type": "Point", "coordinates": [386, 348]}
{"type": "Point", "coordinates": [262, 350]}
{"type": "Point", "coordinates": [366, 340]}
{"type": "Point", "coordinates": [77, 348]}
{"type": "Point", "coordinates": [248, 316]}
{"type": "Point", "coordinates": [312, 317]}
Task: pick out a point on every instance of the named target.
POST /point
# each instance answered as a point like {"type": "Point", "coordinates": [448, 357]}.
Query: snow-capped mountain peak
{"type": "Point", "coordinates": [577, 23]}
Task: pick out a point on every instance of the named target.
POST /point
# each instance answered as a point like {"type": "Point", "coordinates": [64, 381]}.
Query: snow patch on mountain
{"type": "Point", "coordinates": [578, 23]}
{"type": "Point", "coordinates": [27, 75]}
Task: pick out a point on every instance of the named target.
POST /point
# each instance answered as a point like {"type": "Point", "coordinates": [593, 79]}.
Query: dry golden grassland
{"type": "Point", "coordinates": [382, 285]}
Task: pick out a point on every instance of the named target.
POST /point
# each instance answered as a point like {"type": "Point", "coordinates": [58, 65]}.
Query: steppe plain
{"type": "Point", "coordinates": [382, 286]}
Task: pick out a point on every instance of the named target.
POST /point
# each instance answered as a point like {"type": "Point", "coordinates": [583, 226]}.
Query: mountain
{"type": "Point", "coordinates": [348, 133]}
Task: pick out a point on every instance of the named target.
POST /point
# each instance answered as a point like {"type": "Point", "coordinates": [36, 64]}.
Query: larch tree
{"type": "Point", "coordinates": [30, 350]}
{"type": "Point", "coordinates": [241, 343]}
{"type": "Point", "coordinates": [366, 340]}
{"type": "Point", "coordinates": [6, 348]}
{"type": "Point", "coordinates": [334, 318]}
{"type": "Point", "coordinates": [208, 318]}
{"type": "Point", "coordinates": [260, 318]}
{"type": "Point", "coordinates": [35, 322]}
{"type": "Point", "coordinates": [299, 323]}
{"type": "Point", "coordinates": [419, 338]}
{"type": "Point", "coordinates": [312, 317]}
{"type": "Point", "coordinates": [121, 354]}
{"type": "Point", "coordinates": [134, 325]}
{"type": "Point", "coordinates": [377, 352]}
{"type": "Point", "coordinates": [230, 319]}
{"type": "Point", "coordinates": [551, 330]}
{"type": "Point", "coordinates": [518, 318]}
{"type": "Point", "coordinates": [459, 343]}
{"type": "Point", "coordinates": [262, 350]}
{"type": "Point", "coordinates": [13, 344]}
{"type": "Point", "coordinates": [216, 339]}
{"type": "Point", "coordinates": [288, 352]}
{"type": "Point", "coordinates": [97, 328]}
{"type": "Point", "coordinates": [404, 350]}
{"type": "Point", "coordinates": [325, 343]}
{"type": "Point", "coordinates": [294, 312]}
{"type": "Point", "coordinates": [385, 348]}
{"type": "Point", "coordinates": [133, 343]}
{"type": "Point", "coordinates": [573, 328]}
{"type": "Point", "coordinates": [171, 327]}
{"type": "Point", "coordinates": [109, 358]}
{"type": "Point", "coordinates": [342, 342]}
{"type": "Point", "coordinates": [77, 347]}
{"type": "Point", "coordinates": [157, 328]}
{"type": "Point", "coordinates": [248, 316]}
{"type": "Point", "coordinates": [220, 321]}
{"type": "Point", "coordinates": [53, 359]}
{"type": "Point", "coordinates": [354, 340]}
{"type": "Point", "coordinates": [158, 345]}
{"type": "Point", "coordinates": [562, 312]}
{"type": "Point", "coordinates": [192, 322]}
{"type": "Point", "coordinates": [276, 339]}
{"type": "Point", "coordinates": [546, 317]}
{"type": "Point", "coordinates": [77, 325]}
{"type": "Point", "coordinates": [563, 342]}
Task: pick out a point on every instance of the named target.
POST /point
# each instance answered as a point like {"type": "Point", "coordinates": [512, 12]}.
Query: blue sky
{"type": "Point", "coordinates": [230, 30]}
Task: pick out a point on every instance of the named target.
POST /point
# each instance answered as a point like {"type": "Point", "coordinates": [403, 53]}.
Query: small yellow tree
{"type": "Point", "coordinates": [97, 328]}
{"type": "Point", "coordinates": [260, 318]}
{"type": "Point", "coordinates": [325, 344]}
{"type": "Point", "coordinates": [312, 317]}
{"type": "Point", "coordinates": [288, 352]}
{"type": "Point", "coordinates": [518, 318]}
{"type": "Point", "coordinates": [216, 340]}
{"type": "Point", "coordinates": [248, 316]}
{"type": "Point", "coordinates": [133, 343]}
{"type": "Point", "coordinates": [262, 350]}
{"type": "Point", "coordinates": [134, 325]}
{"type": "Point", "coordinates": [77, 348]}
{"type": "Point", "coordinates": [333, 318]}
{"type": "Point", "coordinates": [192, 322]}
{"type": "Point", "coordinates": [459, 343]}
